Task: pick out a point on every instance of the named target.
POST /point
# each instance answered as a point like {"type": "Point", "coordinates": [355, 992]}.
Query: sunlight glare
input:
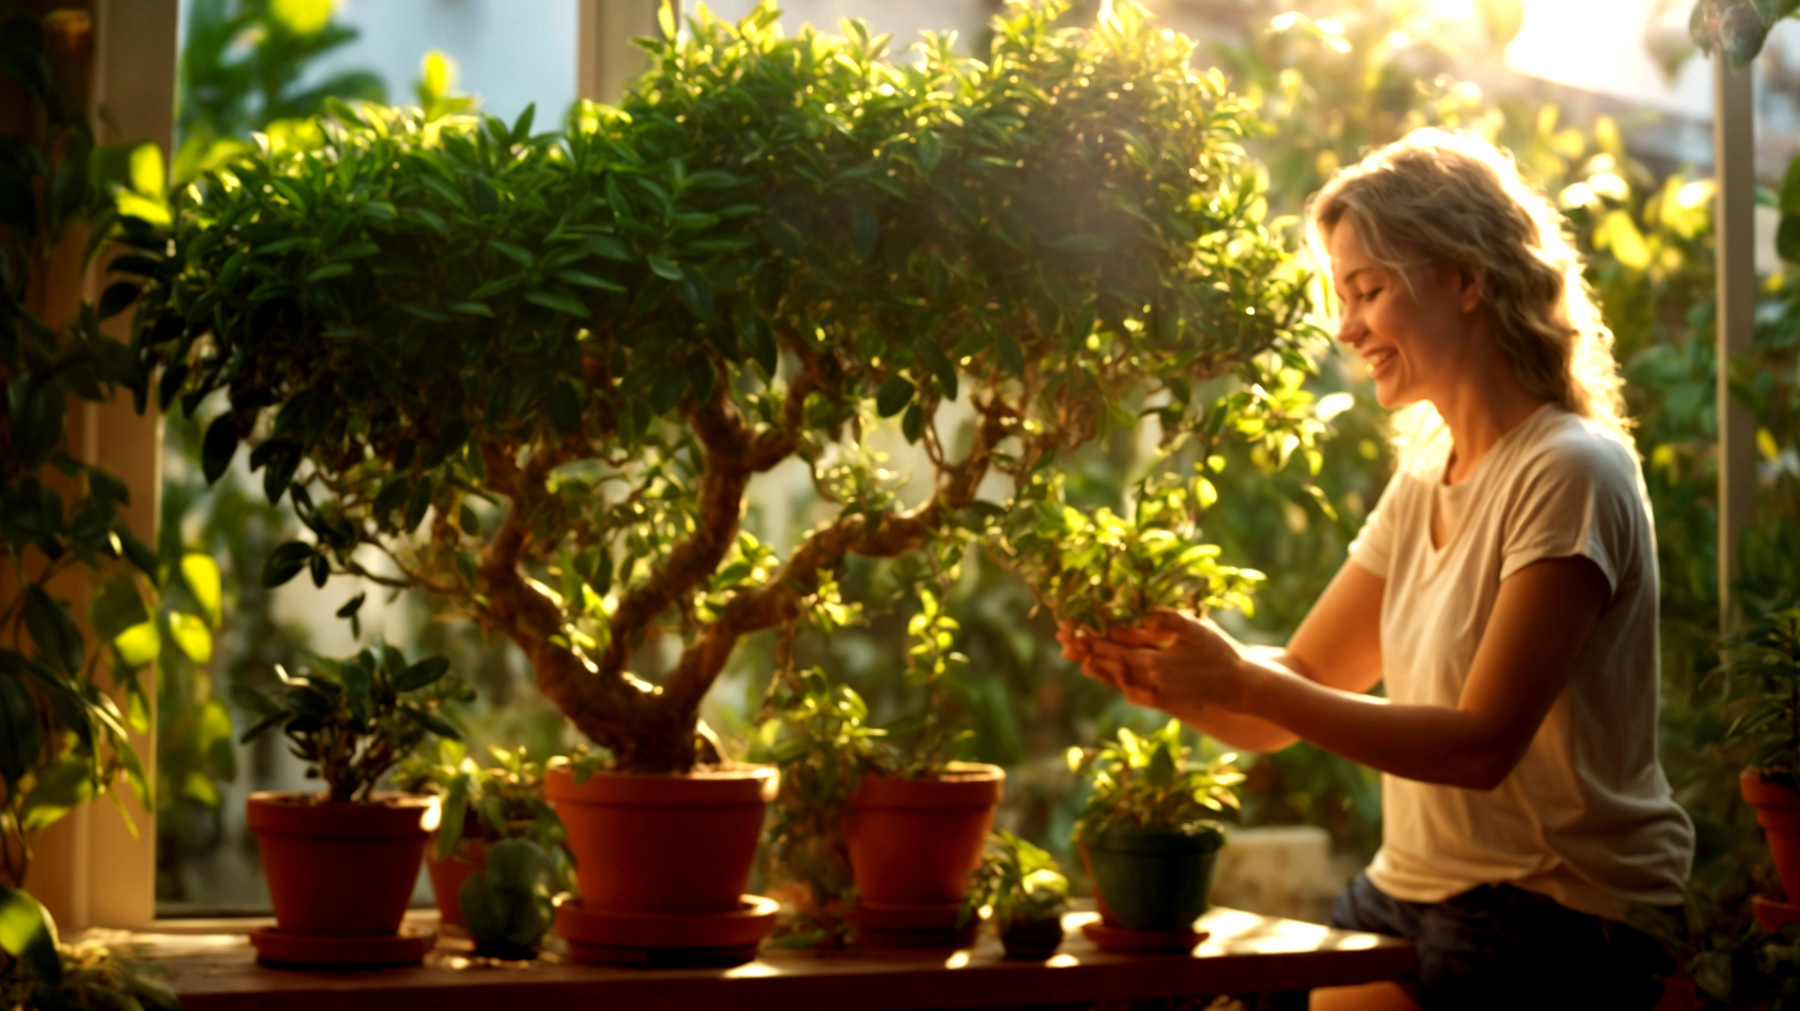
{"type": "Point", "coordinates": [957, 960]}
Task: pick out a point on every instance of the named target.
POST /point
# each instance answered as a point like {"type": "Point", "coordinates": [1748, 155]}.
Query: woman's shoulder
{"type": "Point", "coordinates": [1563, 445]}
{"type": "Point", "coordinates": [1568, 450]}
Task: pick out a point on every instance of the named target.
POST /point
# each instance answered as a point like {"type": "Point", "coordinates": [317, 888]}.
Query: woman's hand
{"type": "Point", "coordinates": [1173, 662]}
{"type": "Point", "coordinates": [1081, 646]}
{"type": "Point", "coordinates": [1176, 661]}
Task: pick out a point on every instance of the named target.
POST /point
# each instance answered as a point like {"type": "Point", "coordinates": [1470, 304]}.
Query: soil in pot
{"type": "Point", "coordinates": [1778, 812]}
{"type": "Point", "coordinates": [1153, 879]}
{"type": "Point", "coordinates": [339, 869]}
{"type": "Point", "coordinates": [913, 842]}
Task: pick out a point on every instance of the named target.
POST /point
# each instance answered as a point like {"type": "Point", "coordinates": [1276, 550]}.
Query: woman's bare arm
{"type": "Point", "coordinates": [1540, 621]}
{"type": "Point", "coordinates": [1337, 645]}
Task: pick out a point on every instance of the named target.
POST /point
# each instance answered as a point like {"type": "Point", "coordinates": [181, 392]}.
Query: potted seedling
{"type": "Point", "coordinates": [1025, 893]}
{"type": "Point", "coordinates": [1766, 657]}
{"type": "Point", "coordinates": [484, 806]}
{"type": "Point", "coordinates": [341, 863]}
{"type": "Point", "coordinates": [1148, 837]}
{"type": "Point", "coordinates": [538, 371]}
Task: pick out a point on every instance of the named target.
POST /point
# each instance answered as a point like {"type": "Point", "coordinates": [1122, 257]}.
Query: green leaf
{"type": "Point", "coordinates": [939, 364]}
{"type": "Point", "coordinates": [116, 607]}
{"type": "Point", "coordinates": [286, 562]}
{"type": "Point", "coordinates": [1787, 236]}
{"type": "Point", "coordinates": [893, 396]}
{"type": "Point", "coordinates": [432, 722]}
{"type": "Point", "coordinates": [139, 644]}
{"type": "Point", "coordinates": [425, 672]}
{"type": "Point", "coordinates": [587, 280]}
{"type": "Point", "coordinates": [664, 267]}
{"type": "Point", "coordinates": [117, 298]}
{"type": "Point", "coordinates": [218, 449]}
{"type": "Point", "coordinates": [1011, 355]}
{"type": "Point", "coordinates": [201, 574]}
{"type": "Point", "coordinates": [561, 301]}
{"type": "Point", "coordinates": [190, 634]}
{"type": "Point", "coordinates": [27, 932]}
{"type": "Point", "coordinates": [55, 633]}
{"type": "Point", "coordinates": [418, 503]}
{"type": "Point", "coordinates": [59, 789]}
{"type": "Point", "coordinates": [865, 229]}
{"type": "Point", "coordinates": [329, 271]}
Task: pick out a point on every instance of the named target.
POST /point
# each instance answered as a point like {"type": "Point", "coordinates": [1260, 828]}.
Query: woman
{"type": "Point", "coordinates": [1504, 589]}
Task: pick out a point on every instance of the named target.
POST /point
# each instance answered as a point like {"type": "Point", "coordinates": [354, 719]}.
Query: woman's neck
{"type": "Point", "coordinates": [1484, 403]}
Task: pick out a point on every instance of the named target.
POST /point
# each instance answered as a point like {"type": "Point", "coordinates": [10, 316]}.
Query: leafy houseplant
{"type": "Point", "coordinates": [483, 807]}
{"type": "Point", "coordinates": [1146, 831]}
{"type": "Point", "coordinates": [1026, 892]}
{"type": "Point", "coordinates": [1767, 654]}
{"type": "Point", "coordinates": [343, 863]}
{"type": "Point", "coordinates": [63, 528]}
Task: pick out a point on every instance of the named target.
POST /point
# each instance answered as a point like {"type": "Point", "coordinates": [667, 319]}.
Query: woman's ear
{"type": "Point", "coordinates": [1470, 284]}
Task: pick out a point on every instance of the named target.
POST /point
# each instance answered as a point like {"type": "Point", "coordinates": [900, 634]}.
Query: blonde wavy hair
{"type": "Point", "coordinates": [1451, 198]}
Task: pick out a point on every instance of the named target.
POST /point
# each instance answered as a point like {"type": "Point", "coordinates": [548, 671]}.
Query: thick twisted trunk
{"type": "Point", "coordinates": [650, 729]}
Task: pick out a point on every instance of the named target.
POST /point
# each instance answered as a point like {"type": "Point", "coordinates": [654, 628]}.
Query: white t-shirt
{"type": "Point", "coordinates": [1586, 817]}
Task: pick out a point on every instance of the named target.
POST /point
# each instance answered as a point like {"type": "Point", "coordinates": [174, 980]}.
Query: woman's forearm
{"type": "Point", "coordinates": [1245, 733]}
{"type": "Point", "coordinates": [1433, 744]}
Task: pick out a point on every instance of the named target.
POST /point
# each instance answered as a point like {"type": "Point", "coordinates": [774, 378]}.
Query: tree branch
{"type": "Point", "coordinates": [778, 601]}
{"type": "Point", "coordinates": [723, 479]}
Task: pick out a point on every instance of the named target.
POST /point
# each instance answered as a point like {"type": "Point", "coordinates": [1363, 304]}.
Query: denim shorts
{"type": "Point", "coordinates": [1498, 946]}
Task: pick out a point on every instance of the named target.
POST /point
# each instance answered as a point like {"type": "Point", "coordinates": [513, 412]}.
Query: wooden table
{"type": "Point", "coordinates": [1246, 954]}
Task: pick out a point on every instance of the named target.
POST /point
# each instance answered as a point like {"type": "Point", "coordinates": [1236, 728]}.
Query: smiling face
{"type": "Point", "coordinates": [1417, 340]}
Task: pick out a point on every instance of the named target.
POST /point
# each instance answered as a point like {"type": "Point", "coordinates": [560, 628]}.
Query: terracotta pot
{"type": "Point", "coordinates": [660, 843]}
{"type": "Point", "coordinates": [1152, 879]}
{"type": "Point", "coordinates": [1778, 812]}
{"type": "Point", "coordinates": [913, 842]}
{"type": "Point", "coordinates": [447, 877]}
{"type": "Point", "coordinates": [1032, 940]}
{"type": "Point", "coordinates": [341, 869]}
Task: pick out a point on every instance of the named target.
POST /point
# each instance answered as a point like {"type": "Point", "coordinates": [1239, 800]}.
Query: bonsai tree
{"type": "Point", "coordinates": [353, 720]}
{"type": "Point", "coordinates": [538, 371]}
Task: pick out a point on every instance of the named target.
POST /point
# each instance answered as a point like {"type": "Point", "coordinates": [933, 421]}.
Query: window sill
{"type": "Point", "coordinates": [211, 965]}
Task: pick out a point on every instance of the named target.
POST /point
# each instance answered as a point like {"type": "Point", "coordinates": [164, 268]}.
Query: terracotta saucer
{"type": "Point", "coordinates": [879, 926]}
{"type": "Point", "coordinates": [1124, 940]}
{"type": "Point", "coordinates": [347, 951]}
{"type": "Point", "coordinates": [666, 939]}
{"type": "Point", "coordinates": [1774, 915]}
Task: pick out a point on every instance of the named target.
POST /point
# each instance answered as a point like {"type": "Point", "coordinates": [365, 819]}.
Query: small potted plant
{"type": "Point", "coordinates": [1025, 893]}
{"type": "Point", "coordinates": [1767, 656]}
{"type": "Point", "coordinates": [341, 864]}
{"type": "Point", "coordinates": [1147, 836]}
{"type": "Point", "coordinates": [884, 809]}
{"type": "Point", "coordinates": [482, 807]}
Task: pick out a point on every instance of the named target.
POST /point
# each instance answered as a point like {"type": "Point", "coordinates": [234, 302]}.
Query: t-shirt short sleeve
{"type": "Point", "coordinates": [1373, 548]}
{"type": "Point", "coordinates": [1576, 499]}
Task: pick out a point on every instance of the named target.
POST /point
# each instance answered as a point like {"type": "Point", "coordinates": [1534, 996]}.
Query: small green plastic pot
{"type": "Point", "coordinates": [1153, 878]}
